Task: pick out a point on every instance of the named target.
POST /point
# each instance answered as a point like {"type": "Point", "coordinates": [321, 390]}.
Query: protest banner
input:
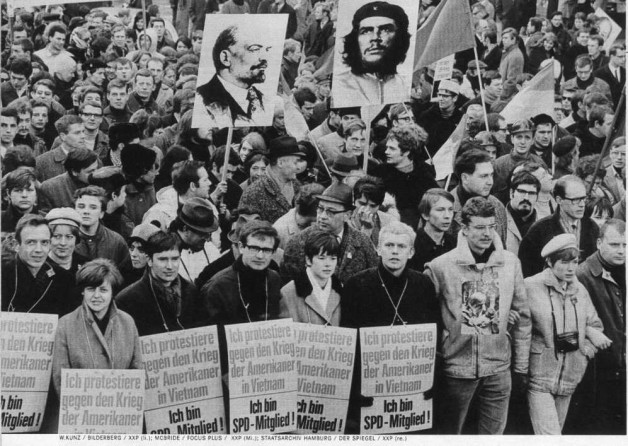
{"type": "Point", "coordinates": [397, 367]}
{"type": "Point", "coordinates": [609, 30]}
{"type": "Point", "coordinates": [262, 377]}
{"type": "Point", "coordinates": [26, 346]}
{"type": "Point", "coordinates": [239, 70]}
{"type": "Point", "coordinates": [373, 60]}
{"type": "Point", "coordinates": [101, 401]}
{"type": "Point", "coordinates": [324, 361]}
{"type": "Point", "coordinates": [444, 68]}
{"type": "Point", "coordinates": [183, 382]}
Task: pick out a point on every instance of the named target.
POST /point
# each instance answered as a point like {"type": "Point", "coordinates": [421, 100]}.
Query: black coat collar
{"type": "Point", "coordinates": [304, 286]}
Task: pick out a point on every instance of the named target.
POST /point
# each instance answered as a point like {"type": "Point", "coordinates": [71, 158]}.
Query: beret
{"type": "Point", "coordinates": [63, 216]}
{"type": "Point", "coordinates": [564, 145]}
{"type": "Point", "coordinates": [558, 243]}
{"type": "Point", "coordinates": [381, 9]}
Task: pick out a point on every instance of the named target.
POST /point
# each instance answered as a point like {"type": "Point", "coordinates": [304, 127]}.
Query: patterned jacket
{"type": "Point", "coordinates": [264, 196]}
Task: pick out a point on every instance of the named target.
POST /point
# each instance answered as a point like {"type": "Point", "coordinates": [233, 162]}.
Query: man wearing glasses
{"type": "Point", "coordinates": [571, 195]}
{"type": "Point", "coordinates": [333, 213]}
{"type": "Point", "coordinates": [524, 191]}
{"type": "Point", "coordinates": [441, 119]}
{"type": "Point", "coordinates": [92, 115]}
{"type": "Point", "coordinates": [485, 317]}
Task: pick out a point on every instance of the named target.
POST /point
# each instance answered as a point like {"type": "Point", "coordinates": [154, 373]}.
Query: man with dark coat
{"type": "Point", "coordinates": [140, 168]}
{"type": "Point", "coordinates": [333, 213]}
{"type": "Point", "coordinates": [603, 274]}
{"type": "Point", "coordinates": [614, 72]}
{"type": "Point", "coordinates": [162, 301]}
{"type": "Point", "coordinates": [441, 119]}
{"type": "Point", "coordinates": [570, 194]}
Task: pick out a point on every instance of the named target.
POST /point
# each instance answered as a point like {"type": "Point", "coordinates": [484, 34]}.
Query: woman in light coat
{"type": "Point", "coordinates": [96, 335]}
{"type": "Point", "coordinates": [566, 334]}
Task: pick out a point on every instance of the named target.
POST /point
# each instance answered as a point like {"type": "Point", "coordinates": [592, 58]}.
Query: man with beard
{"type": "Point", "coordinates": [373, 49]}
{"type": "Point", "coordinates": [25, 134]}
{"type": "Point", "coordinates": [193, 226]}
{"type": "Point", "coordinates": [524, 191]}
{"type": "Point", "coordinates": [240, 61]}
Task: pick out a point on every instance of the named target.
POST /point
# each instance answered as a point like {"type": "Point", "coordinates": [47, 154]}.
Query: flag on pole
{"type": "Point", "coordinates": [535, 98]}
{"type": "Point", "coordinates": [295, 123]}
{"type": "Point", "coordinates": [448, 30]}
{"type": "Point", "coordinates": [444, 159]}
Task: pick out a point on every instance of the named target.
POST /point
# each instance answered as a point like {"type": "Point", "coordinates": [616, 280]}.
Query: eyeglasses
{"type": "Point", "coordinates": [258, 249]}
{"type": "Point", "coordinates": [92, 115]}
{"type": "Point", "coordinates": [484, 228]}
{"type": "Point", "coordinates": [526, 192]}
{"type": "Point", "coordinates": [576, 201]}
{"type": "Point", "coordinates": [328, 211]}
{"type": "Point", "coordinates": [445, 95]}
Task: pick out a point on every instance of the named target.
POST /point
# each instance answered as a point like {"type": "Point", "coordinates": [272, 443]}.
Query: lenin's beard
{"type": "Point", "coordinates": [258, 74]}
{"type": "Point", "coordinates": [394, 55]}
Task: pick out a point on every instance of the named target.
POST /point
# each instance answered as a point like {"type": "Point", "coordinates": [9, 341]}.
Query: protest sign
{"type": "Point", "coordinates": [397, 367]}
{"type": "Point", "coordinates": [444, 68]}
{"type": "Point", "coordinates": [374, 52]}
{"type": "Point", "coordinates": [609, 30]}
{"type": "Point", "coordinates": [26, 346]}
{"type": "Point", "coordinates": [239, 70]}
{"type": "Point", "coordinates": [183, 382]}
{"type": "Point", "coordinates": [324, 360]}
{"type": "Point", "coordinates": [262, 377]}
{"type": "Point", "coordinates": [101, 401]}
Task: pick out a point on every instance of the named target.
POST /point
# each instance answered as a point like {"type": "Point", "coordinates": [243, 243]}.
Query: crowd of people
{"type": "Point", "coordinates": [124, 220]}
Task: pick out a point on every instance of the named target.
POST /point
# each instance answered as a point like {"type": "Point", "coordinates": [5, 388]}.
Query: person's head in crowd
{"type": "Point", "coordinates": [534, 25]}
{"type": "Point", "coordinates": [305, 100]}
{"type": "Point", "coordinates": [600, 120]}
{"type": "Point", "coordinates": [487, 142]}
{"type": "Point", "coordinates": [475, 119]}
{"type": "Point", "coordinates": [561, 256]}
{"type": "Point", "coordinates": [239, 218]}
{"type": "Point", "coordinates": [77, 93]}
{"type": "Point", "coordinates": [401, 145]}
{"type": "Point", "coordinates": [497, 126]}
{"type": "Point", "coordinates": [559, 110]}
{"type": "Point", "coordinates": [396, 246]}
{"type": "Point", "coordinates": [118, 36]}
{"type": "Point", "coordinates": [195, 221]}
{"type": "Point", "coordinates": [33, 237]}
{"type": "Point", "coordinates": [163, 250]}
{"type": "Point", "coordinates": [71, 132]}
{"type": "Point", "coordinates": [524, 192]}
{"type": "Point", "coordinates": [334, 208]}
{"type": "Point", "coordinates": [567, 94]}
{"type": "Point", "coordinates": [80, 163]}
{"type": "Point", "coordinates": [90, 202]}
{"type": "Point", "coordinates": [124, 69]}
{"type": "Point", "coordinates": [556, 18]}
{"type": "Point", "coordinates": [571, 195]}
{"type": "Point", "coordinates": [306, 162]}
{"type": "Point", "coordinates": [20, 189]}
{"type": "Point", "coordinates": [611, 242]}
{"type": "Point", "coordinates": [19, 32]}
{"type": "Point", "coordinates": [474, 168]}
{"type": "Point", "coordinates": [493, 83]}
{"type": "Point", "coordinates": [44, 90]}
{"type": "Point", "coordinates": [258, 241]}
{"type": "Point", "coordinates": [447, 94]}
{"type": "Point", "coordinates": [122, 134]}
{"type": "Point", "coordinates": [156, 67]}
{"type": "Point", "coordinates": [95, 70]}
{"type": "Point", "coordinates": [169, 54]}
{"type": "Point", "coordinates": [595, 46]}
{"type": "Point", "coordinates": [540, 173]}
{"type": "Point", "coordinates": [617, 55]}
{"type": "Point", "coordinates": [437, 210]}
{"type": "Point", "coordinates": [143, 84]}
{"type": "Point", "coordinates": [283, 153]}
{"type": "Point", "coordinates": [490, 38]}
{"type": "Point", "coordinates": [255, 165]}
{"type": "Point", "coordinates": [137, 244]}
{"type": "Point", "coordinates": [368, 195]}
{"type": "Point", "coordinates": [321, 251]}
{"type": "Point", "coordinates": [112, 180]}
{"type": "Point", "coordinates": [190, 179]}
{"type": "Point", "coordinates": [599, 209]}
{"type": "Point", "coordinates": [218, 159]}
{"type": "Point", "coordinates": [509, 38]}
{"type": "Point", "coordinates": [64, 226]}
{"type": "Point", "coordinates": [183, 45]}
{"type": "Point", "coordinates": [617, 154]}
{"type": "Point", "coordinates": [124, 15]}
{"type": "Point", "coordinates": [92, 115]}
{"type": "Point", "coordinates": [401, 114]}
{"type": "Point", "coordinates": [543, 129]}
{"type": "Point", "coordinates": [338, 117]}
{"type": "Point", "coordinates": [579, 21]}
{"type": "Point", "coordinates": [16, 156]}
{"type": "Point", "coordinates": [354, 137]}
{"type": "Point", "coordinates": [549, 42]}
{"type": "Point", "coordinates": [139, 164]}
{"type": "Point", "coordinates": [379, 23]}
{"type": "Point", "coordinates": [159, 25]}
{"type": "Point", "coordinates": [478, 223]}
{"type": "Point", "coordinates": [20, 71]}
{"type": "Point", "coordinates": [251, 142]}
{"type": "Point", "coordinates": [582, 37]}
{"type": "Point", "coordinates": [306, 203]}
{"type": "Point", "coordinates": [22, 48]}
{"type": "Point", "coordinates": [594, 98]}
{"type": "Point", "coordinates": [197, 41]}
{"type": "Point", "coordinates": [169, 76]}
{"type": "Point", "coordinates": [56, 37]}
{"type": "Point", "coordinates": [141, 58]}
{"type": "Point", "coordinates": [279, 122]}
{"type": "Point", "coordinates": [91, 93]}
{"type": "Point", "coordinates": [321, 10]}
{"type": "Point", "coordinates": [138, 22]}
{"type": "Point", "coordinates": [292, 51]}
{"type": "Point", "coordinates": [117, 94]}
{"type": "Point", "coordinates": [24, 111]}
{"type": "Point", "coordinates": [584, 67]}
{"type": "Point", "coordinates": [587, 172]}
{"type": "Point", "coordinates": [521, 135]}
{"type": "Point", "coordinates": [182, 102]}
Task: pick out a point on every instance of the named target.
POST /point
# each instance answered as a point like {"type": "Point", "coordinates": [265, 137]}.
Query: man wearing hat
{"type": "Point", "coordinates": [440, 120]}
{"type": "Point", "coordinates": [570, 194]}
{"type": "Point", "coordinates": [96, 72]}
{"type": "Point", "coordinates": [521, 135]}
{"type": "Point", "coordinates": [344, 166]}
{"type": "Point", "coordinates": [140, 168]}
{"type": "Point", "coordinates": [59, 191]}
{"type": "Point", "coordinates": [64, 224]}
{"type": "Point", "coordinates": [333, 214]}
{"type": "Point", "coordinates": [473, 77]}
{"type": "Point", "coordinates": [273, 194]}
{"type": "Point", "coordinates": [194, 225]}
{"type": "Point", "coordinates": [376, 45]}
{"type": "Point", "coordinates": [137, 249]}
{"type": "Point", "coordinates": [113, 182]}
